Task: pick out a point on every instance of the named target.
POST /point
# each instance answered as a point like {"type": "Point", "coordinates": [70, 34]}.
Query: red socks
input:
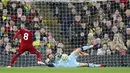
{"type": "Point", "coordinates": [13, 60]}
{"type": "Point", "coordinates": [39, 56]}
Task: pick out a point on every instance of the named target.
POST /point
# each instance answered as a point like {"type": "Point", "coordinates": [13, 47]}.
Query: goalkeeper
{"type": "Point", "coordinates": [70, 61]}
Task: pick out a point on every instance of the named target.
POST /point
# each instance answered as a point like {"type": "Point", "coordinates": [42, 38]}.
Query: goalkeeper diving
{"type": "Point", "coordinates": [70, 61]}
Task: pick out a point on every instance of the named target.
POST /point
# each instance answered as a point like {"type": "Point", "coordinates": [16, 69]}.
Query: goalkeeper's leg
{"type": "Point", "coordinates": [84, 48]}
{"type": "Point", "coordinates": [90, 65]}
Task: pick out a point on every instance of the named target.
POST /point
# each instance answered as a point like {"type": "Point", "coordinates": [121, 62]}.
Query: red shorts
{"type": "Point", "coordinates": [29, 48]}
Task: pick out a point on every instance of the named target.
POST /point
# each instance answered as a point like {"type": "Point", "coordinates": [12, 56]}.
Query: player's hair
{"type": "Point", "coordinates": [48, 55]}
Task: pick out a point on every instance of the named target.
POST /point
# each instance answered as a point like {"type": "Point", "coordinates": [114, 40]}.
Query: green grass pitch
{"type": "Point", "coordinates": [65, 70]}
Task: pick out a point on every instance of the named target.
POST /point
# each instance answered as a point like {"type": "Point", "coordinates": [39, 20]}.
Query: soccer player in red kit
{"type": "Point", "coordinates": [26, 37]}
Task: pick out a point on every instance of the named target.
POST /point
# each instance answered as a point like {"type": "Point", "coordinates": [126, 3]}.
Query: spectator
{"type": "Point", "coordinates": [98, 33]}
{"type": "Point", "coordinates": [90, 38]}
{"type": "Point", "coordinates": [74, 11]}
{"type": "Point", "coordinates": [114, 29]}
{"type": "Point", "coordinates": [35, 25]}
{"type": "Point", "coordinates": [23, 18]}
{"type": "Point", "coordinates": [52, 41]}
{"type": "Point", "coordinates": [105, 39]}
{"type": "Point", "coordinates": [60, 46]}
{"type": "Point", "coordinates": [122, 30]}
{"type": "Point", "coordinates": [8, 18]}
{"type": "Point", "coordinates": [107, 29]}
{"type": "Point", "coordinates": [13, 9]}
{"type": "Point", "coordinates": [127, 15]}
{"type": "Point", "coordinates": [5, 12]}
{"type": "Point", "coordinates": [31, 15]}
{"type": "Point", "coordinates": [37, 42]}
{"type": "Point", "coordinates": [15, 43]}
{"type": "Point", "coordinates": [1, 9]}
{"type": "Point", "coordinates": [100, 15]}
{"type": "Point", "coordinates": [127, 37]}
{"type": "Point", "coordinates": [17, 16]}
{"type": "Point", "coordinates": [102, 51]}
{"type": "Point", "coordinates": [7, 44]}
{"type": "Point", "coordinates": [116, 4]}
{"type": "Point", "coordinates": [95, 24]}
{"type": "Point", "coordinates": [108, 10]}
{"type": "Point", "coordinates": [128, 43]}
{"type": "Point", "coordinates": [118, 45]}
{"type": "Point", "coordinates": [93, 9]}
{"type": "Point", "coordinates": [47, 41]}
{"type": "Point", "coordinates": [116, 17]}
{"type": "Point", "coordinates": [122, 10]}
{"type": "Point", "coordinates": [14, 29]}
{"type": "Point", "coordinates": [19, 12]}
{"type": "Point", "coordinates": [86, 17]}
{"type": "Point", "coordinates": [1, 6]}
{"type": "Point", "coordinates": [8, 48]}
{"type": "Point", "coordinates": [37, 35]}
{"type": "Point", "coordinates": [44, 36]}
{"type": "Point", "coordinates": [11, 24]}
{"type": "Point", "coordinates": [1, 46]}
{"type": "Point", "coordinates": [124, 1]}
{"type": "Point", "coordinates": [57, 49]}
{"type": "Point", "coordinates": [7, 27]}
{"type": "Point", "coordinates": [51, 45]}
{"type": "Point", "coordinates": [105, 50]}
{"type": "Point", "coordinates": [2, 31]}
{"type": "Point", "coordinates": [27, 7]}
{"type": "Point", "coordinates": [78, 19]}
{"type": "Point", "coordinates": [99, 41]}
{"type": "Point", "coordinates": [98, 5]}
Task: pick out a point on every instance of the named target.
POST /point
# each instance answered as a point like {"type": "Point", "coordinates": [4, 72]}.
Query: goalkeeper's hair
{"type": "Point", "coordinates": [48, 55]}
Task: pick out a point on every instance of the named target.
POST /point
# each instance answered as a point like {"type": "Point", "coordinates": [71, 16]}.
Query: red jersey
{"type": "Point", "coordinates": [25, 36]}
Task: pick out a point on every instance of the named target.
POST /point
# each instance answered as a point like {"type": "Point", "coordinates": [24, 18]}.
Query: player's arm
{"type": "Point", "coordinates": [16, 35]}
{"type": "Point", "coordinates": [49, 63]}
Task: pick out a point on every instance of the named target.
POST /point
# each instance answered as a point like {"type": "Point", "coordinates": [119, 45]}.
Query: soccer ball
{"type": "Point", "coordinates": [64, 57]}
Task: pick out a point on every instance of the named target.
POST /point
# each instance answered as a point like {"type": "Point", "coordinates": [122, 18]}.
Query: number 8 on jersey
{"type": "Point", "coordinates": [25, 36]}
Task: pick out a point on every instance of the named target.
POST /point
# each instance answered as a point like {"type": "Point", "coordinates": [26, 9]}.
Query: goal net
{"type": "Point", "coordinates": [60, 26]}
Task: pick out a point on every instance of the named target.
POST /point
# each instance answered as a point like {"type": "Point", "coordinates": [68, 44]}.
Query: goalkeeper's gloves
{"type": "Point", "coordinates": [50, 65]}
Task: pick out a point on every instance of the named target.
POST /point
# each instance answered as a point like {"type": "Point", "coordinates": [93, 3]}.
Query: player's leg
{"type": "Point", "coordinates": [84, 48]}
{"type": "Point", "coordinates": [90, 65]}
{"type": "Point", "coordinates": [18, 53]}
{"type": "Point", "coordinates": [73, 56]}
{"type": "Point", "coordinates": [39, 57]}
{"type": "Point", "coordinates": [33, 50]}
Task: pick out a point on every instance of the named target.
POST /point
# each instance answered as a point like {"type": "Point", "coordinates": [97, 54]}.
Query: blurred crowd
{"type": "Point", "coordinates": [108, 23]}
{"type": "Point", "coordinates": [13, 14]}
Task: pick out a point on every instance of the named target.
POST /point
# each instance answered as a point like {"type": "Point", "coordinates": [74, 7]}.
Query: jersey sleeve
{"type": "Point", "coordinates": [16, 35]}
